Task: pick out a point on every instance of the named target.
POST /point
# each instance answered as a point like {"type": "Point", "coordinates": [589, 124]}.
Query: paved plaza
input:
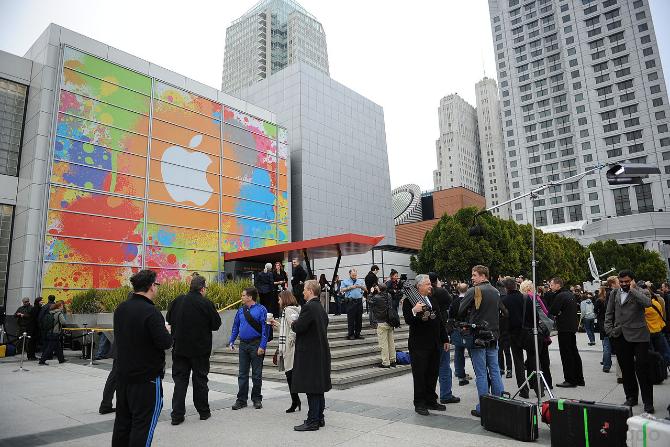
{"type": "Point", "coordinates": [58, 405]}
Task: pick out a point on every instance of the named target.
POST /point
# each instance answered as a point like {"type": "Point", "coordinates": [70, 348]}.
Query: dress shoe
{"type": "Point", "coordinates": [258, 405]}
{"type": "Point", "coordinates": [463, 382]}
{"type": "Point", "coordinates": [451, 400]}
{"type": "Point", "coordinates": [393, 364]}
{"type": "Point", "coordinates": [566, 385]}
{"type": "Point", "coordinates": [239, 405]}
{"type": "Point", "coordinates": [307, 426]}
{"type": "Point", "coordinates": [322, 423]}
{"type": "Point", "coordinates": [509, 374]}
{"type": "Point", "coordinates": [619, 380]}
{"type": "Point", "coordinates": [476, 413]}
{"type": "Point", "coordinates": [592, 344]}
{"type": "Point", "coordinates": [349, 337]}
{"type": "Point", "coordinates": [606, 370]}
{"type": "Point", "coordinates": [582, 383]}
{"type": "Point", "coordinates": [177, 421]}
{"type": "Point", "coordinates": [467, 377]}
{"type": "Point", "coordinates": [422, 411]}
{"type": "Point", "coordinates": [630, 403]}
{"type": "Point", "coordinates": [523, 394]}
{"type": "Point", "coordinates": [205, 416]}
{"type": "Point", "coordinates": [106, 410]}
{"type": "Point", "coordinates": [437, 407]}
{"type": "Point", "coordinates": [293, 407]}
{"type": "Point", "coordinates": [649, 408]}
{"type": "Point", "coordinates": [381, 365]}
{"type": "Point", "coordinates": [359, 337]}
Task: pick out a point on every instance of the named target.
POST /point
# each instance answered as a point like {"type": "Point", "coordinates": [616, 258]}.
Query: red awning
{"type": "Point", "coordinates": [324, 247]}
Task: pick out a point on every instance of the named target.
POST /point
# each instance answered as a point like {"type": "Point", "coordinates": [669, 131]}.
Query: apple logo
{"type": "Point", "coordinates": [186, 168]}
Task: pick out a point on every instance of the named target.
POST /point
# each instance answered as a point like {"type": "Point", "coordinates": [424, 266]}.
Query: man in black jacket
{"type": "Point", "coordinates": [141, 340]}
{"type": "Point", "coordinates": [298, 280]}
{"type": "Point", "coordinates": [192, 319]}
{"type": "Point", "coordinates": [443, 298]}
{"type": "Point", "coordinates": [520, 339]}
{"type": "Point", "coordinates": [427, 338]}
{"type": "Point", "coordinates": [564, 309]}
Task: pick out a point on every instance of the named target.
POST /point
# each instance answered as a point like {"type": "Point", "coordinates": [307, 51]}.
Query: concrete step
{"type": "Point", "coordinates": [335, 343]}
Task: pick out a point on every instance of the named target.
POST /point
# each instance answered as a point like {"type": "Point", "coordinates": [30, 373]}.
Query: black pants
{"type": "Point", "coordinates": [633, 360]}
{"type": "Point", "coordinates": [317, 403]}
{"type": "Point", "coordinates": [355, 317]}
{"type": "Point", "coordinates": [298, 290]}
{"type": "Point", "coordinates": [504, 354]}
{"type": "Point", "coordinates": [110, 388]}
{"type": "Point", "coordinates": [572, 362]}
{"type": "Point", "coordinates": [182, 367]}
{"type": "Point", "coordinates": [518, 346]}
{"type": "Point", "coordinates": [138, 406]}
{"type": "Point", "coordinates": [295, 398]}
{"type": "Point", "coordinates": [54, 346]}
{"type": "Point", "coordinates": [269, 301]}
{"type": "Point", "coordinates": [425, 370]}
{"type": "Point", "coordinates": [544, 362]}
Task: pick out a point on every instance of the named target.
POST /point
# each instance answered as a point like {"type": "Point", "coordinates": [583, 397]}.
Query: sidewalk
{"type": "Point", "coordinates": [57, 405]}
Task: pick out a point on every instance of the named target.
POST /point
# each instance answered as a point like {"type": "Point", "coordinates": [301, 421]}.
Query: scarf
{"type": "Point", "coordinates": [288, 316]}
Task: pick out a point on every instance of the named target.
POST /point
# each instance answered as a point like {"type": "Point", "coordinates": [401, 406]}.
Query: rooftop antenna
{"type": "Point", "coordinates": [483, 65]}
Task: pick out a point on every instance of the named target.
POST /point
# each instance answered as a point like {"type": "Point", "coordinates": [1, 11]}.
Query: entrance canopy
{"type": "Point", "coordinates": [320, 248]}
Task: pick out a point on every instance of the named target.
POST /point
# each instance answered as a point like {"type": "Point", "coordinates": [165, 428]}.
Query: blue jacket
{"type": "Point", "coordinates": [246, 332]}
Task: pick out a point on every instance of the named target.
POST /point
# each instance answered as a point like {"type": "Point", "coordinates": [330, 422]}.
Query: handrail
{"type": "Point", "coordinates": [230, 305]}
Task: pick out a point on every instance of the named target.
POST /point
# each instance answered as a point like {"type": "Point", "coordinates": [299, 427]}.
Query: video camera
{"type": "Point", "coordinates": [482, 335]}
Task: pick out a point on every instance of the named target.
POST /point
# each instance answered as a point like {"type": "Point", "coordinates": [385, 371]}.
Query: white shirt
{"type": "Point", "coordinates": [624, 295]}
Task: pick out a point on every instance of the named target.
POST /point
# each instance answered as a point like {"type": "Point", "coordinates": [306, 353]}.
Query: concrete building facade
{"type": "Point", "coordinates": [269, 37]}
{"type": "Point", "coordinates": [339, 164]}
{"type": "Point", "coordinates": [581, 84]}
{"type": "Point", "coordinates": [457, 148]}
{"type": "Point", "coordinates": [494, 172]}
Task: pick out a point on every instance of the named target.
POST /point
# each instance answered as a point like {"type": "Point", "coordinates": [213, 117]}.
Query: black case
{"type": "Point", "coordinates": [573, 421]}
{"type": "Point", "coordinates": [514, 418]}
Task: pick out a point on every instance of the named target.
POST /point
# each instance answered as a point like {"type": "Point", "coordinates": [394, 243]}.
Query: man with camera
{"type": "Point", "coordinates": [443, 298]}
{"type": "Point", "coordinates": [481, 307]}
{"type": "Point", "coordinates": [427, 339]}
{"type": "Point", "coordinates": [394, 287]}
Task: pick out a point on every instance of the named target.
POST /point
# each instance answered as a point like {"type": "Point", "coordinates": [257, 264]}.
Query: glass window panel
{"type": "Point", "coordinates": [249, 139]}
{"type": "Point", "coordinates": [181, 258]}
{"type": "Point", "coordinates": [233, 243]}
{"type": "Point", "coordinates": [100, 157]}
{"type": "Point", "coordinates": [248, 227]}
{"type": "Point", "coordinates": [282, 135]}
{"type": "Point", "coordinates": [165, 214]}
{"type": "Point", "coordinates": [187, 118]}
{"type": "Point", "coordinates": [282, 215]}
{"type": "Point", "coordinates": [250, 123]}
{"type": "Point", "coordinates": [167, 275]}
{"type": "Point", "coordinates": [59, 276]}
{"type": "Point", "coordinates": [187, 100]}
{"type": "Point", "coordinates": [60, 223]}
{"type": "Point", "coordinates": [247, 208]}
{"type": "Point", "coordinates": [91, 132]}
{"type": "Point", "coordinates": [85, 85]}
{"type": "Point", "coordinates": [283, 183]}
{"type": "Point", "coordinates": [283, 152]}
{"type": "Point", "coordinates": [185, 138]}
{"type": "Point", "coordinates": [179, 237]}
{"type": "Point", "coordinates": [182, 195]}
{"type": "Point", "coordinates": [88, 251]}
{"type": "Point", "coordinates": [99, 68]}
{"type": "Point", "coordinates": [176, 155]}
{"type": "Point", "coordinates": [283, 170]}
{"type": "Point", "coordinates": [244, 190]}
{"type": "Point", "coordinates": [102, 113]}
{"type": "Point", "coordinates": [91, 178]}
{"type": "Point", "coordinates": [93, 203]}
{"type": "Point", "coordinates": [247, 157]}
{"type": "Point", "coordinates": [12, 106]}
{"type": "Point", "coordinates": [282, 233]}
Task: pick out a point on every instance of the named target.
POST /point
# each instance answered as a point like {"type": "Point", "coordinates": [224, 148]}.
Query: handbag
{"type": "Point", "coordinates": [275, 357]}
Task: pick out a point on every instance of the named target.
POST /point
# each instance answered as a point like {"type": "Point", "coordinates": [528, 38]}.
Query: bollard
{"type": "Point", "coordinates": [91, 363]}
{"type": "Point", "coordinates": [23, 352]}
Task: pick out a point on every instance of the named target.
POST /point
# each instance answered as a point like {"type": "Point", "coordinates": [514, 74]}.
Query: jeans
{"type": "Point", "coordinates": [317, 403]}
{"type": "Point", "coordinates": [249, 357]}
{"type": "Point", "coordinates": [588, 327]}
{"type": "Point", "coordinates": [103, 346]}
{"type": "Point", "coordinates": [607, 353]}
{"type": "Point", "coordinates": [485, 364]}
{"type": "Point", "coordinates": [54, 347]}
{"type": "Point", "coordinates": [660, 344]}
{"type": "Point", "coordinates": [445, 375]}
{"type": "Point", "coordinates": [459, 354]}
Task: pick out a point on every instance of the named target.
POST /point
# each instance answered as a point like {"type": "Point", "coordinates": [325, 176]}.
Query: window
{"type": "Point", "coordinates": [593, 196]}
{"type": "Point", "coordinates": [640, 15]}
{"type": "Point", "coordinates": [614, 25]}
{"type": "Point", "coordinates": [614, 153]}
{"type": "Point", "coordinates": [645, 39]}
{"type": "Point", "coordinates": [623, 72]}
{"type": "Point", "coordinates": [610, 127]}
{"type": "Point", "coordinates": [643, 27]}
{"type": "Point", "coordinates": [645, 203]}
{"type": "Point", "coordinates": [627, 97]}
{"type": "Point", "coordinates": [581, 109]}
{"type": "Point", "coordinates": [557, 216]}
{"type": "Point", "coordinates": [650, 64]}
{"type": "Point", "coordinates": [590, 183]}
{"type": "Point", "coordinates": [595, 209]}
{"type": "Point", "coordinates": [541, 218]}
{"type": "Point", "coordinates": [648, 51]}
{"type": "Point", "coordinates": [631, 122]}
{"type": "Point", "coordinates": [663, 128]}
{"type": "Point", "coordinates": [660, 115]}
{"type": "Point", "coordinates": [629, 110]}
{"type": "Point", "coordinates": [610, 115]}
{"type": "Point", "coordinates": [575, 213]}
{"type": "Point", "coordinates": [12, 106]}
{"type": "Point", "coordinates": [652, 76]}
{"type": "Point", "coordinates": [635, 148]}
{"type": "Point", "coordinates": [655, 89]}
{"type": "Point", "coordinates": [622, 201]}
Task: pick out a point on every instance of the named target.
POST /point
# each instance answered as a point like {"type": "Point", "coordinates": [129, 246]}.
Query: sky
{"type": "Point", "coordinates": [404, 56]}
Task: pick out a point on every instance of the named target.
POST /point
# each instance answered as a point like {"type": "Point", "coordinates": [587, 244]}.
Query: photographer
{"type": "Point", "coordinates": [481, 308]}
{"type": "Point", "coordinates": [394, 287]}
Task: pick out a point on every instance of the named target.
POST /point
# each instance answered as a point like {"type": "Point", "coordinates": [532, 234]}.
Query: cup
{"type": "Point", "coordinates": [269, 318]}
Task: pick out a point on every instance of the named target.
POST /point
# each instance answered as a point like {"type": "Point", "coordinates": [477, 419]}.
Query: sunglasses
{"type": "Point", "coordinates": [157, 284]}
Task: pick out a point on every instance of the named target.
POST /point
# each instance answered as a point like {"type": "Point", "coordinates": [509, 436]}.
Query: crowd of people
{"type": "Point", "coordinates": [502, 325]}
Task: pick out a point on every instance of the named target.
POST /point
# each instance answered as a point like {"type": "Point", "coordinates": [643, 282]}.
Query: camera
{"type": "Point", "coordinates": [482, 336]}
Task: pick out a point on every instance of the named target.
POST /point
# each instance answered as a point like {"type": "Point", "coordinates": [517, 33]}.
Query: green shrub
{"type": "Point", "coordinates": [110, 299]}
{"type": "Point", "coordinates": [227, 293]}
{"type": "Point", "coordinates": [85, 302]}
{"type": "Point", "coordinates": [168, 291]}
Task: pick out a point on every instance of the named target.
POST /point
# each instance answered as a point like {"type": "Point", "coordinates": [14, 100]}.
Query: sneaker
{"type": "Point", "coordinates": [239, 405]}
{"type": "Point", "coordinates": [422, 411]}
{"type": "Point", "coordinates": [476, 413]}
{"type": "Point", "coordinates": [394, 364]}
{"type": "Point", "coordinates": [381, 365]}
{"type": "Point", "coordinates": [258, 405]}
{"type": "Point", "coordinates": [451, 400]}
{"type": "Point", "coordinates": [606, 370]}
{"type": "Point", "coordinates": [106, 410]}
{"type": "Point", "coordinates": [509, 374]}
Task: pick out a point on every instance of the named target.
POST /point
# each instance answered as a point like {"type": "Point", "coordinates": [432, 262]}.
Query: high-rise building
{"type": "Point", "coordinates": [458, 156]}
{"type": "Point", "coordinates": [491, 146]}
{"type": "Point", "coordinates": [581, 83]}
{"type": "Point", "coordinates": [267, 38]}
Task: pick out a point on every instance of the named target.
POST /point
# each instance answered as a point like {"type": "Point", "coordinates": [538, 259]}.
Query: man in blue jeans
{"type": "Point", "coordinates": [457, 338]}
{"type": "Point", "coordinates": [481, 306]}
{"type": "Point", "coordinates": [443, 298]}
{"type": "Point", "coordinates": [250, 325]}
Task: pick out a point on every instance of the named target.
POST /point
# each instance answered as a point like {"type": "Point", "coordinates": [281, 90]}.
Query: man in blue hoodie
{"type": "Point", "coordinates": [250, 325]}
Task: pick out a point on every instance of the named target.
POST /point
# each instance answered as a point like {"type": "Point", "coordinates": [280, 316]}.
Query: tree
{"type": "Point", "coordinates": [646, 264]}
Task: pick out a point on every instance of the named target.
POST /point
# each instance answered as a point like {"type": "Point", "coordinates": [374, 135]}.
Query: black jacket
{"type": "Point", "coordinates": [299, 275]}
{"type": "Point", "coordinates": [265, 282]}
{"type": "Point", "coordinates": [514, 302]}
{"type": "Point", "coordinates": [425, 335]}
{"type": "Point", "coordinates": [383, 309]}
{"type": "Point", "coordinates": [488, 312]}
{"type": "Point", "coordinates": [193, 318]}
{"type": "Point", "coordinates": [311, 362]}
{"type": "Point", "coordinates": [600, 307]}
{"type": "Point", "coordinates": [443, 298]}
{"type": "Point", "coordinates": [141, 340]}
{"type": "Point", "coordinates": [371, 280]}
{"type": "Point", "coordinates": [564, 307]}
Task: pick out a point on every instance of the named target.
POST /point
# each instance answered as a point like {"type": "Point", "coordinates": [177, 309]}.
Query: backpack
{"type": "Point", "coordinates": [588, 310]}
{"type": "Point", "coordinates": [658, 372]}
{"type": "Point", "coordinates": [48, 322]}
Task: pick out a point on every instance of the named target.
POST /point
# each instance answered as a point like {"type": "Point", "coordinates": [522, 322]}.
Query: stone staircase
{"type": "Point", "coordinates": [353, 362]}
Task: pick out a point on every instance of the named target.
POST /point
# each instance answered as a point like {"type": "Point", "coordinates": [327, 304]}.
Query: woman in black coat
{"type": "Point", "coordinates": [311, 364]}
{"type": "Point", "coordinates": [265, 285]}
